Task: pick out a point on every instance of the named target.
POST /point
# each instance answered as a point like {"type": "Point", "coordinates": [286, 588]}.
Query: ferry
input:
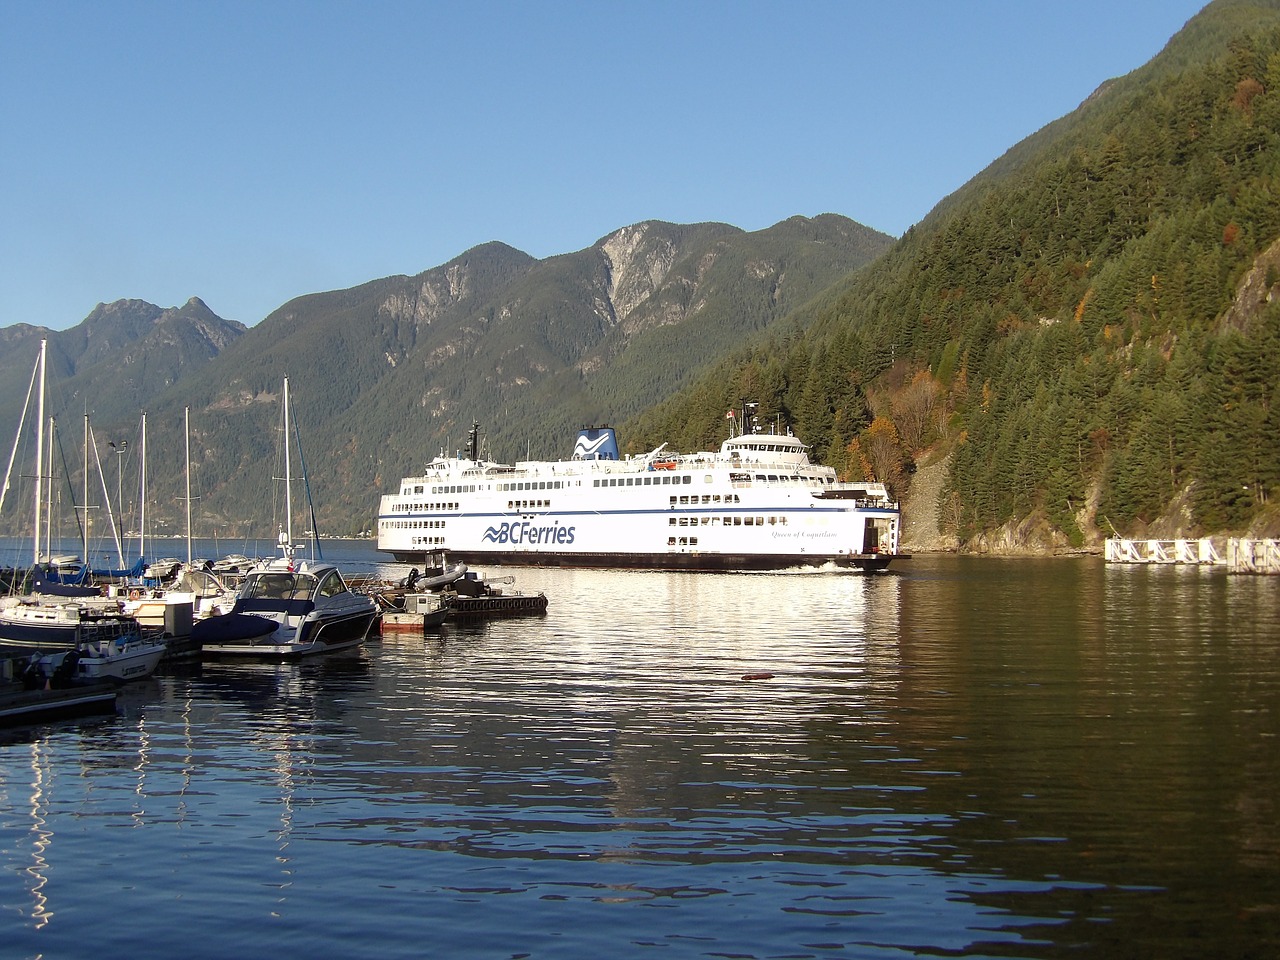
{"type": "Point", "coordinates": [756, 504]}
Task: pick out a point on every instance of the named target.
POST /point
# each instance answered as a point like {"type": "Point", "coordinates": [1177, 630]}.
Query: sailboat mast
{"type": "Point", "coordinates": [39, 454]}
{"type": "Point", "coordinates": [186, 430]}
{"type": "Point", "coordinates": [85, 531]}
{"type": "Point", "coordinates": [288, 483]}
{"type": "Point", "coordinates": [142, 495]}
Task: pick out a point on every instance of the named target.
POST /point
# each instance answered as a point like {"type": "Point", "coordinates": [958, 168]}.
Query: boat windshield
{"type": "Point", "coordinates": [279, 586]}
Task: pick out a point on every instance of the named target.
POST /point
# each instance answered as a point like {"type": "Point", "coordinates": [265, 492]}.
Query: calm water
{"type": "Point", "coordinates": [966, 757]}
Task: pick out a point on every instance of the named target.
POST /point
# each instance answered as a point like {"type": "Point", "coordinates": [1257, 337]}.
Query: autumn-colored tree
{"type": "Point", "coordinates": [882, 449]}
{"type": "Point", "coordinates": [914, 409]}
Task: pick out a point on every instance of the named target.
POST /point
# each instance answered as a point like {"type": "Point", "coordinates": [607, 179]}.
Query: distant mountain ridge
{"type": "Point", "coordinates": [117, 360]}
{"type": "Point", "coordinates": [386, 373]}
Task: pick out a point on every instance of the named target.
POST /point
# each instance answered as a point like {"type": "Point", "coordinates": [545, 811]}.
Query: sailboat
{"type": "Point", "coordinates": [62, 621]}
{"type": "Point", "coordinates": [287, 607]}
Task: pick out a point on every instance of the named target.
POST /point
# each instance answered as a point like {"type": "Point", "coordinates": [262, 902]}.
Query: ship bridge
{"type": "Point", "coordinates": [766, 447]}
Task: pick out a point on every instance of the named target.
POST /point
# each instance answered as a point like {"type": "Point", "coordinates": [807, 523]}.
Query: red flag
{"type": "Point", "coordinates": [729, 415]}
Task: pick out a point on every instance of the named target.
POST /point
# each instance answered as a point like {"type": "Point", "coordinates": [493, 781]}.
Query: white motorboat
{"type": "Point", "coordinates": [286, 609]}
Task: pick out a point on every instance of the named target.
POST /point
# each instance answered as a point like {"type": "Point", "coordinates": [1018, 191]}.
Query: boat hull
{"type": "Point", "coordinates": [311, 637]}
{"type": "Point", "coordinates": [708, 562]}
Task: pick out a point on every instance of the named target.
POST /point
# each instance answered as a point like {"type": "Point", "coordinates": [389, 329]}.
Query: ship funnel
{"type": "Point", "coordinates": [596, 443]}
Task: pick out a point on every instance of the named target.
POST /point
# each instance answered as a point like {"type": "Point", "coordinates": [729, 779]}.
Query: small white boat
{"type": "Point", "coordinates": [161, 569]}
{"type": "Point", "coordinates": [232, 563]}
{"type": "Point", "coordinates": [207, 595]}
{"type": "Point", "coordinates": [122, 658]}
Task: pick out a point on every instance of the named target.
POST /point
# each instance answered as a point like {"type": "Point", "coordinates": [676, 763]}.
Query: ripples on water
{"type": "Point", "coordinates": [966, 757]}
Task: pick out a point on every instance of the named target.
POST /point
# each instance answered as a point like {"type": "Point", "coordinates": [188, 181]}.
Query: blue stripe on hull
{"type": "Point", "coordinates": [663, 561]}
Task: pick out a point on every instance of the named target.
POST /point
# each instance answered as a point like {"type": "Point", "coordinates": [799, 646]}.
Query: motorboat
{"type": "Point", "coordinates": [120, 659]}
{"type": "Point", "coordinates": [288, 608]}
{"type": "Point", "coordinates": [36, 625]}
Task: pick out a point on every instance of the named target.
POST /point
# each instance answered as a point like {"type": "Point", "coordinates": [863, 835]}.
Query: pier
{"type": "Point", "coordinates": [1244, 554]}
{"type": "Point", "coordinates": [1202, 551]}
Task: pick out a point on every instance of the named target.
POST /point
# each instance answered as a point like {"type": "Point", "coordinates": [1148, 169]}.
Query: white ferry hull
{"type": "Point", "coordinates": [758, 504]}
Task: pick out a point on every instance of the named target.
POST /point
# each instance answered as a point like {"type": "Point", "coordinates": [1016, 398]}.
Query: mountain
{"type": "Point", "coordinates": [118, 359]}
{"type": "Point", "coordinates": [384, 374]}
{"type": "Point", "coordinates": [1083, 339]}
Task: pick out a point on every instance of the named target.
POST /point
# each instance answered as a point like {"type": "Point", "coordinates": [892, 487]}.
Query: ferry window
{"type": "Point", "coordinates": [687, 479]}
{"type": "Point", "coordinates": [671, 521]}
{"type": "Point", "coordinates": [705, 521]}
{"type": "Point", "coordinates": [737, 521]}
{"type": "Point", "coordinates": [773, 477]}
{"type": "Point", "coordinates": [706, 498]}
{"type": "Point", "coordinates": [693, 541]}
{"type": "Point", "coordinates": [760, 521]}
{"type": "Point", "coordinates": [671, 541]}
{"type": "Point", "coordinates": [773, 521]}
{"type": "Point", "coordinates": [684, 499]}
{"type": "Point", "coordinates": [707, 478]}
{"type": "Point", "coordinates": [673, 501]}
{"type": "Point", "coordinates": [749, 521]}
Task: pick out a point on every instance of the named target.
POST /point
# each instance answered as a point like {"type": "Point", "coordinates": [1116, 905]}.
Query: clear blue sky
{"type": "Point", "coordinates": [250, 151]}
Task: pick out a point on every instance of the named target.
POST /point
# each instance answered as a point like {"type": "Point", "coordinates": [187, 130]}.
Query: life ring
{"type": "Point", "coordinates": [135, 594]}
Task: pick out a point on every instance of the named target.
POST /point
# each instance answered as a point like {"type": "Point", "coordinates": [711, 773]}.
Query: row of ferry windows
{"type": "Point", "coordinates": [419, 507]}
{"type": "Point", "coordinates": [726, 521]}
{"type": "Point", "coordinates": [661, 478]}
{"type": "Point", "coordinates": [415, 524]}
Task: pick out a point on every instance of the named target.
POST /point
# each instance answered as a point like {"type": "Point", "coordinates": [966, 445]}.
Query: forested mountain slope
{"type": "Point", "coordinates": [1088, 331]}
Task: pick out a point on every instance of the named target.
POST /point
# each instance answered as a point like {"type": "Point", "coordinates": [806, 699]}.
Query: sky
{"type": "Point", "coordinates": [249, 151]}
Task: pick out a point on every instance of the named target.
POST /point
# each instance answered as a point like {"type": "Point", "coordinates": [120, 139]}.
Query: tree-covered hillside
{"type": "Point", "coordinates": [1073, 327]}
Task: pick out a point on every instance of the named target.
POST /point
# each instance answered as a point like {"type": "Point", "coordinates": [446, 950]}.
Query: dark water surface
{"type": "Point", "coordinates": [965, 757]}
